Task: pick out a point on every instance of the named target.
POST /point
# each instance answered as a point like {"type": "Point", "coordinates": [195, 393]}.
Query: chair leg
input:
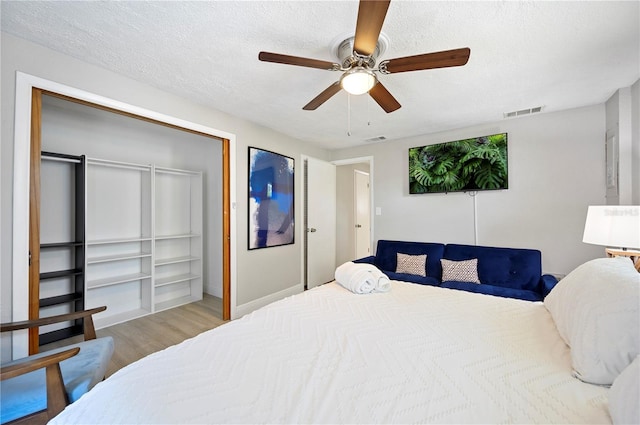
{"type": "Point", "coordinates": [89, 328]}
{"type": "Point", "coordinates": [57, 398]}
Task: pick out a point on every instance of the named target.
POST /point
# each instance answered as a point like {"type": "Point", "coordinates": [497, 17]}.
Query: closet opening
{"type": "Point", "coordinates": [157, 210]}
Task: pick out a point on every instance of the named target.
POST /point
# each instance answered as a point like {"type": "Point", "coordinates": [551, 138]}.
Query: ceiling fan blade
{"type": "Point", "coordinates": [323, 97]}
{"type": "Point", "coordinates": [382, 96]}
{"type": "Point", "coordinates": [371, 14]}
{"type": "Point", "coordinates": [444, 59]}
{"type": "Point", "coordinates": [298, 61]}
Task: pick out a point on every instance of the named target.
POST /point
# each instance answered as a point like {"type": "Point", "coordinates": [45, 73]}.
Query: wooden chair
{"type": "Point", "coordinates": [36, 388]}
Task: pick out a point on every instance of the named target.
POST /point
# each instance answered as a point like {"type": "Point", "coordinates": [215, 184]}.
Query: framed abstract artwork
{"type": "Point", "coordinates": [271, 199]}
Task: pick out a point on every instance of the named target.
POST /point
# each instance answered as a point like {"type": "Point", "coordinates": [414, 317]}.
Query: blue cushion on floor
{"type": "Point", "coordinates": [26, 394]}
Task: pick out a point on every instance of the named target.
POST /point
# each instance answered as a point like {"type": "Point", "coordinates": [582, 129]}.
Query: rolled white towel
{"type": "Point", "coordinates": [383, 284]}
{"type": "Point", "coordinates": [362, 278]}
{"type": "Point", "coordinates": [356, 277]}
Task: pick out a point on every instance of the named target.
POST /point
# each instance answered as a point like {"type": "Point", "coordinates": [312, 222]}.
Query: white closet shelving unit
{"type": "Point", "coordinates": [144, 239]}
{"type": "Point", "coordinates": [177, 237]}
{"type": "Point", "coordinates": [119, 270]}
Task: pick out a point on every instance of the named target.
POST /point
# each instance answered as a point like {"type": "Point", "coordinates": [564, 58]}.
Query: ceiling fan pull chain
{"type": "Point", "coordinates": [348, 115]}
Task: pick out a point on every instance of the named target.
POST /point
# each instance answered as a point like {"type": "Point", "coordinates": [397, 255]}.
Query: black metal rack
{"type": "Point", "coordinates": [74, 271]}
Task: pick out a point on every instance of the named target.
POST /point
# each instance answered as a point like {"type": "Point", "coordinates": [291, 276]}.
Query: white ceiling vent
{"type": "Point", "coordinates": [375, 139]}
{"type": "Point", "coordinates": [522, 112]}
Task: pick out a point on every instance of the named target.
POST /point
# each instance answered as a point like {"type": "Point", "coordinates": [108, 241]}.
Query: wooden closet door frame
{"type": "Point", "coordinates": [38, 87]}
{"type": "Point", "coordinates": [35, 149]}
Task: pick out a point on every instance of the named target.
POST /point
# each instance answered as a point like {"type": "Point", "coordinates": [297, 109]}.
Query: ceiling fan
{"type": "Point", "coordinates": [358, 67]}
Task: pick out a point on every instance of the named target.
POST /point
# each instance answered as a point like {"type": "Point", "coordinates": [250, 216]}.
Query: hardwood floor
{"type": "Point", "coordinates": [138, 338]}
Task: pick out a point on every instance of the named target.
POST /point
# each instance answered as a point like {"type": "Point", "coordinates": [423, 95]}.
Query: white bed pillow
{"type": "Point", "coordinates": [460, 271]}
{"type": "Point", "coordinates": [596, 309]}
{"type": "Point", "coordinates": [624, 397]}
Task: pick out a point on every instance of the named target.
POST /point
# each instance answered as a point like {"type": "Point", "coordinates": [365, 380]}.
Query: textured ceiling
{"type": "Point", "coordinates": [555, 54]}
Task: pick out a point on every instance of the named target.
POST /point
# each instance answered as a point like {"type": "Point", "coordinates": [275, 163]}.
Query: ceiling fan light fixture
{"type": "Point", "coordinates": [358, 80]}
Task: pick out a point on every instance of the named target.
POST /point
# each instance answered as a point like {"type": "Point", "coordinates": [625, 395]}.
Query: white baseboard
{"type": "Point", "coordinates": [247, 308]}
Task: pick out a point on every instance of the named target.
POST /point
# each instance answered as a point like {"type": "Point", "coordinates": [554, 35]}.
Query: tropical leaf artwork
{"type": "Point", "coordinates": [464, 165]}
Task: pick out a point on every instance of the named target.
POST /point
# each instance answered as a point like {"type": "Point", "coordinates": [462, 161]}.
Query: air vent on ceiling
{"type": "Point", "coordinates": [375, 139]}
{"type": "Point", "coordinates": [522, 112]}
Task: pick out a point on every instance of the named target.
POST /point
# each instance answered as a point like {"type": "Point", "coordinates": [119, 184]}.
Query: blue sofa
{"type": "Point", "coordinates": [503, 272]}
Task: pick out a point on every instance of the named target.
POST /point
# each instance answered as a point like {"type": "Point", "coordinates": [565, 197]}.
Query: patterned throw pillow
{"type": "Point", "coordinates": [411, 264]}
{"type": "Point", "coordinates": [460, 271]}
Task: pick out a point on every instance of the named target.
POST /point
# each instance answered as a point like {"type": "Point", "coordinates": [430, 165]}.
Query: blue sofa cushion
{"type": "Point", "coordinates": [513, 268]}
{"type": "Point", "coordinates": [366, 260]}
{"type": "Point", "coordinates": [422, 280]}
{"type": "Point", "coordinates": [547, 283]}
{"type": "Point", "coordinates": [499, 291]}
{"type": "Point", "coordinates": [386, 255]}
{"type": "Point", "coordinates": [26, 394]}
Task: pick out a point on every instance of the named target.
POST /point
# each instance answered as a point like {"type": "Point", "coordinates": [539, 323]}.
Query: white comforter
{"type": "Point", "coordinates": [417, 354]}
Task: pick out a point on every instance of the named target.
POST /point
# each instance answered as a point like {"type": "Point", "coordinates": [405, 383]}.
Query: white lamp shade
{"type": "Point", "coordinates": [358, 81]}
{"type": "Point", "coordinates": [613, 226]}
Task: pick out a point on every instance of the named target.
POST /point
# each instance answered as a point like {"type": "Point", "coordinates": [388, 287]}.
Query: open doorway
{"type": "Point", "coordinates": [362, 213]}
{"type": "Point", "coordinates": [354, 206]}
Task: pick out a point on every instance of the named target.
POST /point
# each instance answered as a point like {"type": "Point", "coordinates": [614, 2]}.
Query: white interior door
{"type": "Point", "coordinates": [362, 214]}
{"type": "Point", "coordinates": [320, 222]}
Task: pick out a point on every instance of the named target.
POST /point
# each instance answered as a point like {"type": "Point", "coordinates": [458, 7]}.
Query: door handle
{"type": "Point", "coordinates": [312, 229]}
{"type": "Point", "coordinates": [358, 226]}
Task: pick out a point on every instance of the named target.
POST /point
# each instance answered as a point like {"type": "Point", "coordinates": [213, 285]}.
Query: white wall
{"type": "Point", "coordinates": [556, 169]}
{"type": "Point", "coordinates": [259, 273]}
{"type": "Point", "coordinates": [612, 138]}
{"type": "Point", "coordinates": [635, 142]}
{"type": "Point", "coordinates": [623, 123]}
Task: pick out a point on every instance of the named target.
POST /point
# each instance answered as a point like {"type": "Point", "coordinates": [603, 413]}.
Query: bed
{"type": "Point", "coordinates": [415, 354]}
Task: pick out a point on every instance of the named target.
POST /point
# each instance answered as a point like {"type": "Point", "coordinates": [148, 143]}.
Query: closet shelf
{"type": "Point", "coordinates": [175, 260]}
{"type": "Point", "coordinates": [114, 319]}
{"type": "Point", "coordinates": [175, 302]}
{"type": "Point", "coordinates": [118, 257]}
{"type": "Point", "coordinates": [64, 333]}
{"type": "Point", "coordinates": [119, 164]}
{"type": "Point", "coordinates": [174, 279]}
{"type": "Point", "coordinates": [99, 283]}
{"type": "Point", "coordinates": [60, 299]}
{"type": "Point", "coordinates": [181, 236]}
{"type": "Point", "coordinates": [60, 273]}
{"type": "Point", "coordinates": [63, 157]}
{"type": "Point", "coordinates": [61, 244]}
{"type": "Point", "coordinates": [118, 240]}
